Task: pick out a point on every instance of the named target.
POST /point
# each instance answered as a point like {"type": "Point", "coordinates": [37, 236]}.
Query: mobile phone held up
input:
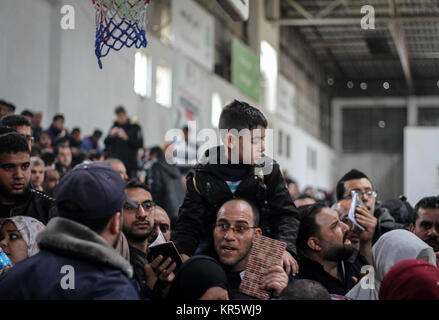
{"type": "Point", "coordinates": [356, 201]}
{"type": "Point", "coordinates": [166, 250]}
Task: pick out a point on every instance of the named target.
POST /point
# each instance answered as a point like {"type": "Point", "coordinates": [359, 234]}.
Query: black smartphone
{"type": "Point", "coordinates": [167, 250]}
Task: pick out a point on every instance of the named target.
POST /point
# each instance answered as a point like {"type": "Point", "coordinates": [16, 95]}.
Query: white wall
{"type": "Point", "coordinates": [320, 177]}
{"type": "Point", "coordinates": [46, 68]}
{"type": "Point", "coordinates": [421, 162]}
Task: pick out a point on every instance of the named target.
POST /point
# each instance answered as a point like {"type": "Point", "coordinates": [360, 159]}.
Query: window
{"type": "Point", "coordinates": [280, 142]}
{"type": "Point", "coordinates": [163, 90]}
{"type": "Point", "coordinates": [311, 158]}
{"type": "Point", "coordinates": [288, 146]}
{"type": "Point", "coordinates": [142, 74]}
{"type": "Point", "coordinates": [373, 129]}
{"type": "Point", "coordinates": [269, 70]}
{"type": "Point", "coordinates": [217, 107]}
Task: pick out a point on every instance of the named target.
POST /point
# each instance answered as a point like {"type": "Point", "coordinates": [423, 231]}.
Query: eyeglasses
{"type": "Point", "coordinates": [239, 229]}
{"type": "Point", "coordinates": [369, 193]}
{"type": "Point", "coordinates": [146, 205]}
{"type": "Point", "coordinates": [29, 138]}
{"type": "Point", "coordinates": [164, 227]}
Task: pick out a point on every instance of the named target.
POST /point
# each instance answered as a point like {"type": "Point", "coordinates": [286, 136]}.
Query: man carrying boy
{"type": "Point", "coordinates": [238, 169]}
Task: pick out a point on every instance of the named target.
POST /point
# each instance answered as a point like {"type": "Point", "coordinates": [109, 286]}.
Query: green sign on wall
{"type": "Point", "coordinates": [245, 69]}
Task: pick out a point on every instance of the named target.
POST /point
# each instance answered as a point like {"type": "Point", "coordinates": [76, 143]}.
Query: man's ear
{"type": "Point", "coordinates": [313, 244]}
{"type": "Point", "coordinates": [411, 227]}
{"type": "Point", "coordinates": [258, 231]}
{"type": "Point", "coordinates": [114, 224]}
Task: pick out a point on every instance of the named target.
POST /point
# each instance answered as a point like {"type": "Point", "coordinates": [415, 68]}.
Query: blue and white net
{"type": "Point", "coordinates": [119, 23]}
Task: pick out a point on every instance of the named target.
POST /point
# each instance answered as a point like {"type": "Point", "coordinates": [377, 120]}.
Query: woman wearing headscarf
{"type": "Point", "coordinates": [411, 280]}
{"type": "Point", "coordinates": [391, 248]}
{"type": "Point", "coordinates": [200, 278]}
{"type": "Point", "coordinates": [18, 237]}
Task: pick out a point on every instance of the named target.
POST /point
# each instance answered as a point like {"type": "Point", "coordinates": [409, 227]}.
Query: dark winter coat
{"type": "Point", "coordinates": [164, 181]}
{"type": "Point", "coordinates": [207, 191]}
{"type": "Point", "coordinates": [125, 150]}
{"type": "Point", "coordinates": [35, 204]}
{"type": "Point", "coordinates": [97, 270]}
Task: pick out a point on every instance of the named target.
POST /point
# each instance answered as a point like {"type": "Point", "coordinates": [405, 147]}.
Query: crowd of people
{"type": "Point", "coordinates": [78, 219]}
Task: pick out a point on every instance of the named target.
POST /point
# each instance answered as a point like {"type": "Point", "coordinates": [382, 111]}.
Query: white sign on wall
{"type": "Point", "coordinates": [193, 32]}
{"type": "Point", "coordinates": [286, 94]}
{"type": "Point", "coordinates": [191, 89]}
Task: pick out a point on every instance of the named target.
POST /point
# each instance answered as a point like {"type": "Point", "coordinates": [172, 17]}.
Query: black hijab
{"type": "Point", "coordinates": [195, 277]}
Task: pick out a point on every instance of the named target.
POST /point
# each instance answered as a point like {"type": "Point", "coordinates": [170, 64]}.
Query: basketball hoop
{"type": "Point", "coordinates": [119, 23]}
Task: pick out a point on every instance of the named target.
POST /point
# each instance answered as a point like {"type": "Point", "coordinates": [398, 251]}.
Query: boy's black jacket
{"type": "Point", "coordinates": [207, 191]}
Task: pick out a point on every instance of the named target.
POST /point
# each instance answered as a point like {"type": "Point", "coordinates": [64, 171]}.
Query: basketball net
{"type": "Point", "coordinates": [119, 23]}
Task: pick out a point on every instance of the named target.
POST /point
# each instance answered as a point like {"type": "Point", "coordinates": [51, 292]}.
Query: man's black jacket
{"type": "Point", "coordinates": [125, 150]}
{"type": "Point", "coordinates": [207, 191]}
{"type": "Point", "coordinates": [34, 204]}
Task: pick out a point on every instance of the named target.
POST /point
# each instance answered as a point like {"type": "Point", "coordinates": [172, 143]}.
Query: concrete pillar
{"type": "Point", "coordinates": [412, 111]}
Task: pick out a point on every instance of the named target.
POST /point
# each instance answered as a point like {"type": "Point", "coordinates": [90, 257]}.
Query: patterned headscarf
{"type": "Point", "coordinates": [29, 228]}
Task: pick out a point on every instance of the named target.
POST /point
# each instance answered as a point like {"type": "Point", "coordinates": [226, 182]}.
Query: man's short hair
{"type": "Point", "coordinates": [305, 289]}
{"type": "Point", "coordinates": [240, 115]}
{"type": "Point", "coordinates": [97, 133]}
{"type": "Point", "coordinates": [253, 207]}
{"type": "Point", "coordinates": [13, 143]}
{"type": "Point", "coordinates": [303, 196]}
{"type": "Point", "coordinates": [9, 105]}
{"type": "Point", "coordinates": [4, 129]}
{"type": "Point", "coordinates": [308, 225]}
{"type": "Point", "coordinates": [15, 120]}
{"type": "Point", "coordinates": [134, 184]}
{"type": "Point", "coordinates": [111, 160]}
{"type": "Point", "coordinates": [60, 146]}
{"type": "Point", "coordinates": [156, 150]}
{"type": "Point", "coordinates": [425, 203]}
{"type": "Point", "coordinates": [354, 174]}
{"type": "Point", "coordinates": [120, 109]}
{"type": "Point", "coordinates": [35, 161]}
{"type": "Point", "coordinates": [58, 116]}
{"type": "Point", "coordinates": [48, 158]}
{"type": "Point", "coordinates": [76, 129]}
{"type": "Point", "coordinates": [27, 113]}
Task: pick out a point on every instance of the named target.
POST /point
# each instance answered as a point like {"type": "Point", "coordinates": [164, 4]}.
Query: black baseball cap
{"type": "Point", "coordinates": [96, 189]}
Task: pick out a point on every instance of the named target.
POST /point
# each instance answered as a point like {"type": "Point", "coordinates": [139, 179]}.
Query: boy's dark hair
{"type": "Point", "coordinates": [240, 115]}
{"type": "Point", "coordinates": [71, 208]}
{"type": "Point", "coordinates": [13, 143]}
{"type": "Point", "coordinates": [308, 225]}
{"type": "Point", "coordinates": [305, 289]}
{"type": "Point", "coordinates": [354, 174]}
{"type": "Point", "coordinates": [425, 203]}
{"type": "Point", "coordinates": [134, 183]}
{"type": "Point", "coordinates": [27, 113]}
{"type": "Point", "coordinates": [15, 120]}
{"type": "Point", "coordinates": [76, 129]}
{"type": "Point", "coordinates": [289, 181]}
{"type": "Point", "coordinates": [58, 116]}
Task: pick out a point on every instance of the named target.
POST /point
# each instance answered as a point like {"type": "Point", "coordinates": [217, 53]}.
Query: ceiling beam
{"type": "Point", "coordinates": [348, 21]}
{"type": "Point", "coordinates": [398, 35]}
{"type": "Point", "coordinates": [300, 9]}
{"type": "Point", "coordinates": [433, 5]}
{"type": "Point", "coordinates": [329, 8]}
